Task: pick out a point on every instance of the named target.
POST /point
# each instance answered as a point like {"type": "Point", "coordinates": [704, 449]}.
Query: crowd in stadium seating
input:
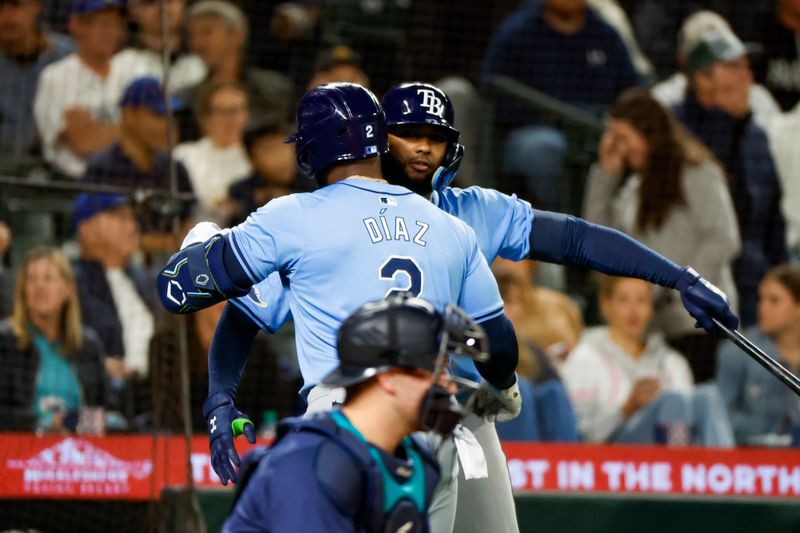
{"type": "Point", "coordinates": [697, 158]}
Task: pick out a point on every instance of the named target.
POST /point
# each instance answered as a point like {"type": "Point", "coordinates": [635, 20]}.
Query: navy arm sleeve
{"type": "Point", "coordinates": [230, 349]}
{"type": "Point", "coordinates": [568, 240]}
{"type": "Point", "coordinates": [499, 370]}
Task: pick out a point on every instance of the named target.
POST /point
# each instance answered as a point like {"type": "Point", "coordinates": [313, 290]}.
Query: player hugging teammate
{"type": "Point", "coordinates": [317, 257]}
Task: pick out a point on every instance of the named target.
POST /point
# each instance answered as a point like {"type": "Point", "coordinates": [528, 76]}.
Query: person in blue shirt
{"type": "Point", "coordinates": [763, 412]}
{"type": "Point", "coordinates": [564, 49]}
{"type": "Point", "coordinates": [357, 468]}
{"type": "Point", "coordinates": [26, 48]}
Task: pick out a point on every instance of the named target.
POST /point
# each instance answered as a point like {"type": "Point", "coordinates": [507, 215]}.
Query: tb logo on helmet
{"type": "Point", "coordinates": [431, 102]}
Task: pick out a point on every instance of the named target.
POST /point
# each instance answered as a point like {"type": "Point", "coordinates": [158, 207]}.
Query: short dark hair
{"type": "Point", "coordinates": [788, 276]}
{"type": "Point", "coordinates": [336, 56]}
{"type": "Point", "coordinates": [354, 390]}
{"type": "Point", "coordinates": [263, 127]}
{"type": "Point", "coordinates": [671, 148]}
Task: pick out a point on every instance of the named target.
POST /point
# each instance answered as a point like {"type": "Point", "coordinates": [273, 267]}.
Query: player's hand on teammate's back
{"type": "Point", "coordinates": [498, 405]}
{"type": "Point", "coordinates": [225, 422]}
{"type": "Point", "coordinates": [704, 301]}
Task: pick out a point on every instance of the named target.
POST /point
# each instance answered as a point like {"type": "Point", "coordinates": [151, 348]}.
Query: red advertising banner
{"type": "Point", "coordinates": [138, 468]}
{"type": "Point", "coordinates": [654, 470]}
{"type": "Point", "coordinates": [129, 467]}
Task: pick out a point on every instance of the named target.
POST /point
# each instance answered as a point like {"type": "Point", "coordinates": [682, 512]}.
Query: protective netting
{"type": "Point", "coordinates": [122, 124]}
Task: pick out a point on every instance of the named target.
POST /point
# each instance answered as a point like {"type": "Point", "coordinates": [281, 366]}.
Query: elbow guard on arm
{"type": "Point", "coordinates": [201, 275]}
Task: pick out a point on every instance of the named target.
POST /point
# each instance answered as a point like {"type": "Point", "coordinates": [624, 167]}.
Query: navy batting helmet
{"type": "Point", "coordinates": [420, 103]}
{"type": "Point", "coordinates": [405, 332]}
{"type": "Point", "coordinates": [337, 122]}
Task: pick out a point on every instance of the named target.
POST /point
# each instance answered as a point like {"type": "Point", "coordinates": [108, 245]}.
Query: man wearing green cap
{"type": "Point", "coordinates": [673, 89]}
{"type": "Point", "coordinates": [717, 109]}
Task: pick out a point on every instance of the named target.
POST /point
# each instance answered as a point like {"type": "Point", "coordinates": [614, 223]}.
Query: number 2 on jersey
{"type": "Point", "coordinates": [395, 265]}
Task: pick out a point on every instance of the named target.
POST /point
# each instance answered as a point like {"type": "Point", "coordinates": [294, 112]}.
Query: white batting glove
{"type": "Point", "coordinates": [498, 405]}
{"type": "Point", "coordinates": [201, 232]}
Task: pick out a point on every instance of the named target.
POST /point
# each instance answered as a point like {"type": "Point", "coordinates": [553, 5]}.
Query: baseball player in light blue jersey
{"type": "Point", "coordinates": [356, 239]}
{"type": "Point", "coordinates": [425, 157]}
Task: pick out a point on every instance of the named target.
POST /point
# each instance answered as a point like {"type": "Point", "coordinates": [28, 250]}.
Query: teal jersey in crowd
{"type": "Point", "coordinates": [57, 386]}
{"type": "Point", "coordinates": [354, 242]}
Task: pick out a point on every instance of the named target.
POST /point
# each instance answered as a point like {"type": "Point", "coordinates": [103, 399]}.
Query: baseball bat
{"type": "Point", "coordinates": [773, 366]}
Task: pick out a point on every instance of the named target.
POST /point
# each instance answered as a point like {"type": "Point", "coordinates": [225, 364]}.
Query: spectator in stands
{"type": "Point", "coordinates": [6, 283]}
{"type": "Point", "coordinates": [630, 387]}
{"type": "Point", "coordinates": [263, 386]}
{"type": "Point", "coordinates": [76, 105]}
{"type": "Point", "coordinates": [218, 35]}
{"type": "Point", "coordinates": [51, 366]}
{"type": "Point", "coordinates": [547, 318]}
{"type": "Point", "coordinates": [116, 298]}
{"type": "Point", "coordinates": [655, 24]}
{"type": "Point", "coordinates": [673, 90]}
{"type": "Point", "coordinates": [548, 325]}
{"type": "Point", "coordinates": [289, 38]}
{"type": "Point", "coordinates": [339, 64]}
{"type": "Point", "coordinates": [140, 162]}
{"type": "Point", "coordinates": [219, 158]}
{"type": "Point", "coordinates": [113, 294]}
{"type": "Point", "coordinates": [563, 49]}
{"type": "Point", "coordinates": [676, 201]}
{"type": "Point", "coordinates": [275, 172]}
{"type": "Point", "coordinates": [778, 32]}
{"type": "Point", "coordinates": [762, 410]}
{"type": "Point", "coordinates": [612, 13]}
{"type": "Point", "coordinates": [143, 57]}
{"type": "Point", "coordinates": [25, 49]}
{"type": "Point", "coordinates": [717, 109]}
{"type": "Point", "coordinates": [378, 30]}
{"type": "Point", "coordinates": [784, 138]}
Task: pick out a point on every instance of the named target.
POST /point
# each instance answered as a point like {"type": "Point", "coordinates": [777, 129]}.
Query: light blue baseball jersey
{"type": "Point", "coordinates": [502, 225]}
{"type": "Point", "coordinates": [354, 242]}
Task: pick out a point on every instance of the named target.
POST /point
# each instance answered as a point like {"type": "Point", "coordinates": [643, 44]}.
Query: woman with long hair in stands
{"type": "Point", "coordinates": [50, 365]}
{"type": "Point", "coordinates": [657, 183]}
{"type": "Point", "coordinates": [762, 410]}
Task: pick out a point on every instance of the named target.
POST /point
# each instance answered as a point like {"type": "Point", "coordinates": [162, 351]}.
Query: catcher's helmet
{"type": "Point", "coordinates": [405, 332]}
{"type": "Point", "coordinates": [337, 122]}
